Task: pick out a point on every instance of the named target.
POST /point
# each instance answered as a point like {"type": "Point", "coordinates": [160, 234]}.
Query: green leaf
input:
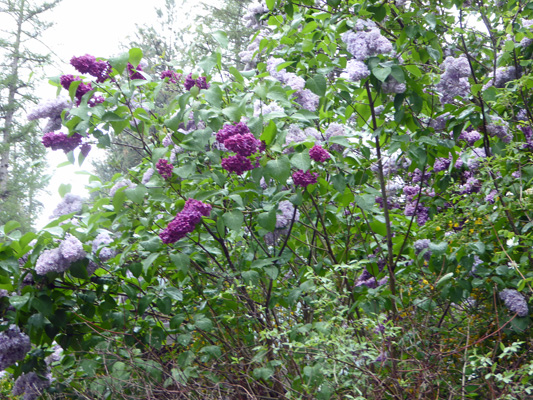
{"type": "Point", "coordinates": [186, 170]}
{"type": "Point", "coordinates": [235, 72]}
{"type": "Point", "coordinates": [10, 226]}
{"type": "Point", "coordinates": [148, 261]}
{"type": "Point", "coordinates": [267, 220]}
{"type": "Point", "coordinates": [137, 194]}
{"type": "Point", "coordinates": [271, 271]}
{"type": "Point", "coordinates": [279, 169]}
{"type": "Point", "coordinates": [174, 293]}
{"type": "Point", "coordinates": [64, 188]}
{"type": "Point", "coordinates": [233, 219]}
{"type": "Point", "coordinates": [221, 38]}
{"type": "Point", "coordinates": [317, 84]}
{"type": "Point", "coordinates": [135, 56]}
{"type": "Point", "coordinates": [431, 20]}
{"type": "Point", "coordinates": [382, 73]}
{"type": "Point", "coordinates": [269, 133]}
{"type": "Point", "coordinates": [270, 4]}
{"type": "Point", "coordinates": [203, 323]}
{"type": "Point", "coordinates": [301, 161]}
{"type": "Point", "coordinates": [263, 372]}
{"type": "Point", "coordinates": [213, 96]}
{"type": "Point", "coordinates": [213, 351]}
{"type": "Point", "coordinates": [19, 301]}
{"type": "Point", "coordinates": [120, 62]}
{"type": "Point", "coordinates": [438, 248]}
{"type": "Point", "coordinates": [444, 279]}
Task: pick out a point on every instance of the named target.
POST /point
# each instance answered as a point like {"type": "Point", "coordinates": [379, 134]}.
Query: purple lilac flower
{"type": "Point", "coordinates": [355, 71]}
{"type": "Point", "coordinates": [200, 82]}
{"type": "Point", "coordinates": [238, 164]}
{"type": "Point", "coordinates": [29, 385]}
{"type": "Point", "coordinates": [51, 261]}
{"type": "Point", "coordinates": [255, 10]}
{"type": "Point", "coordinates": [420, 245]}
{"type": "Point", "coordinates": [391, 85]}
{"type": "Point", "coordinates": [515, 302]}
{"type": "Point", "coordinates": [164, 169]}
{"type": "Point", "coordinates": [172, 76]}
{"type": "Point", "coordinates": [498, 127]}
{"type": "Point", "coordinates": [294, 81]}
{"type": "Point", "coordinates": [185, 221]}
{"type": "Point", "coordinates": [71, 249]}
{"type": "Point", "coordinates": [470, 136]}
{"type": "Point", "coordinates": [13, 346]}
{"type": "Point", "coordinates": [61, 141]}
{"type": "Point", "coordinates": [502, 76]}
{"type": "Point", "coordinates": [439, 122]}
{"type": "Point", "coordinates": [99, 246]}
{"type": "Point", "coordinates": [69, 204]}
{"type": "Point", "coordinates": [307, 99]}
{"type": "Point", "coordinates": [441, 164]}
{"type": "Point", "coordinates": [490, 197]}
{"type": "Point", "coordinates": [120, 184]}
{"type": "Point", "coordinates": [472, 185]}
{"type": "Point", "coordinates": [304, 178]}
{"type": "Point", "coordinates": [516, 174]}
{"type": "Point", "coordinates": [318, 154]}
{"type": "Point", "coordinates": [454, 80]}
{"type": "Point", "coordinates": [284, 218]}
{"type": "Point", "coordinates": [85, 149]}
{"type": "Point", "coordinates": [230, 130]}
{"type": "Point", "coordinates": [147, 176]}
{"type": "Point", "coordinates": [528, 134]}
{"type": "Point", "coordinates": [83, 64]}
{"type": "Point", "coordinates": [364, 44]}
{"type": "Point", "coordinates": [421, 212]}
{"type": "Point", "coordinates": [135, 72]}
{"type": "Point", "coordinates": [261, 108]}
{"type": "Point", "coordinates": [244, 145]}
{"type": "Point", "coordinates": [51, 108]}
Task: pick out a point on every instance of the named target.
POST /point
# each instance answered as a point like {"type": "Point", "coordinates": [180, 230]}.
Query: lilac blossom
{"type": "Point", "coordinates": [123, 183]}
{"type": "Point", "coordinates": [51, 261]}
{"type": "Point", "coordinates": [13, 346]}
{"type": "Point", "coordinates": [238, 164]}
{"type": "Point", "coordinates": [172, 76]}
{"type": "Point", "coordinates": [200, 82]}
{"type": "Point", "coordinates": [244, 145]}
{"type": "Point", "coordinates": [307, 99]}
{"type": "Point", "coordinates": [515, 302]}
{"type": "Point", "coordinates": [284, 218]}
{"type": "Point", "coordinates": [88, 64]}
{"type": "Point", "coordinates": [249, 55]}
{"type": "Point", "coordinates": [135, 72]}
{"type": "Point", "coordinates": [29, 385]}
{"type": "Point", "coordinates": [470, 137]}
{"type": "Point", "coordinates": [366, 43]}
{"type": "Point", "coordinates": [491, 196]}
{"type": "Point", "coordinates": [318, 154]}
{"type": "Point", "coordinates": [391, 85]}
{"type": "Point", "coordinates": [147, 176]}
{"type": "Point", "coordinates": [304, 178]}
{"type": "Point", "coordinates": [164, 168]}
{"type": "Point", "coordinates": [51, 108]}
{"type": "Point", "coordinates": [472, 185]}
{"type": "Point", "coordinates": [528, 134]}
{"type": "Point", "coordinates": [355, 71]}
{"type": "Point", "coordinates": [100, 246]}
{"type": "Point", "coordinates": [421, 245]}
{"type": "Point", "coordinates": [254, 12]}
{"type": "Point", "coordinates": [498, 127]}
{"type": "Point", "coordinates": [185, 221]}
{"type": "Point", "coordinates": [502, 76]}
{"type": "Point", "coordinates": [61, 141]}
{"type": "Point", "coordinates": [230, 130]}
{"type": "Point", "coordinates": [454, 80]}
{"type": "Point", "coordinates": [71, 249]}
{"type": "Point", "coordinates": [71, 203]}
{"type": "Point", "coordinates": [261, 108]}
{"type": "Point", "coordinates": [439, 123]}
{"type": "Point", "coordinates": [441, 164]}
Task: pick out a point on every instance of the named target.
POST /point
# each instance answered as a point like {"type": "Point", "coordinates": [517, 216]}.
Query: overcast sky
{"type": "Point", "coordinates": [97, 27]}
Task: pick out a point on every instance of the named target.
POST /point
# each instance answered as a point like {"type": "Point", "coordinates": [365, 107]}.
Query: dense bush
{"type": "Point", "coordinates": [348, 218]}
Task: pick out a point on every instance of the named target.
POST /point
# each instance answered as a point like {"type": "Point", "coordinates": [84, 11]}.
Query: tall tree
{"type": "Point", "coordinates": [19, 179]}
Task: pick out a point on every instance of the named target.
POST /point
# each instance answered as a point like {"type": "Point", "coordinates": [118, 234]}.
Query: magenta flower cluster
{"type": "Point", "coordinates": [135, 72]}
{"type": "Point", "coordinates": [238, 139]}
{"type": "Point", "coordinates": [164, 168]}
{"type": "Point", "coordinates": [200, 82]}
{"type": "Point", "coordinates": [61, 141]}
{"type": "Point", "coordinates": [185, 221]}
{"type": "Point", "coordinates": [304, 179]}
{"type": "Point", "coordinates": [319, 154]}
{"type": "Point", "coordinates": [83, 88]}
{"type": "Point", "coordinates": [171, 75]}
{"type": "Point", "coordinates": [87, 64]}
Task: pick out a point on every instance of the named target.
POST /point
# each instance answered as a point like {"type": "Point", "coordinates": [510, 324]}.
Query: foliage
{"type": "Point", "coordinates": [260, 268]}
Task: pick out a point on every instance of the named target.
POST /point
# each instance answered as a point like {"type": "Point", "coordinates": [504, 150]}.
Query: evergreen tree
{"type": "Point", "coordinates": [21, 174]}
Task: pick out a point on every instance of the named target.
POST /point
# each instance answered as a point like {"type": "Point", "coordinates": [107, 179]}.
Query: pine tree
{"type": "Point", "coordinates": [21, 172]}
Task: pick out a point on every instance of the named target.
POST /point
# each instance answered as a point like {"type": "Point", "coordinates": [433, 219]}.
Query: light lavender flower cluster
{"type": "Point", "coordinates": [498, 127]}
{"type": "Point", "coordinates": [100, 248]}
{"type": "Point", "coordinates": [13, 346]}
{"type": "Point", "coordinates": [285, 214]}
{"type": "Point", "coordinates": [454, 80]}
{"type": "Point", "coordinates": [255, 10]}
{"type": "Point", "coordinates": [70, 204]}
{"type": "Point", "coordinates": [421, 245]}
{"type": "Point", "coordinates": [307, 99]}
{"type": "Point", "coordinates": [250, 55]}
{"type": "Point", "coordinates": [29, 385]}
{"type": "Point", "coordinates": [501, 76]}
{"type": "Point", "coordinates": [367, 41]}
{"type": "Point", "coordinates": [124, 183]}
{"type": "Point", "coordinates": [261, 108]}
{"type": "Point", "coordinates": [59, 259]}
{"type": "Point", "coordinates": [52, 110]}
{"type": "Point", "coordinates": [515, 302]}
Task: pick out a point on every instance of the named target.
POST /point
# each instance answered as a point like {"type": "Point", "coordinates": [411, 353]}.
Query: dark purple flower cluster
{"type": "Point", "coordinates": [470, 136]}
{"type": "Point", "coordinates": [304, 178]}
{"type": "Point", "coordinates": [164, 168]}
{"type": "Point", "coordinates": [83, 88]}
{"type": "Point", "coordinates": [200, 82]}
{"type": "Point", "coordinates": [13, 346]}
{"type": "Point", "coordinates": [135, 72]}
{"type": "Point", "coordinates": [61, 141]}
{"type": "Point", "coordinates": [412, 208]}
{"type": "Point", "coordinates": [441, 164]}
{"type": "Point", "coordinates": [491, 196]}
{"type": "Point", "coordinates": [366, 279]}
{"type": "Point", "coordinates": [318, 154]}
{"type": "Point", "coordinates": [472, 185]}
{"type": "Point", "coordinates": [185, 221]}
{"type": "Point", "coordinates": [171, 75]}
{"type": "Point", "coordinates": [88, 64]}
{"type": "Point", "coordinates": [239, 139]}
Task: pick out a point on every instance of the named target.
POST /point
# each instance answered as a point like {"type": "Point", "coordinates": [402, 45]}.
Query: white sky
{"type": "Point", "coordinates": [97, 27]}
